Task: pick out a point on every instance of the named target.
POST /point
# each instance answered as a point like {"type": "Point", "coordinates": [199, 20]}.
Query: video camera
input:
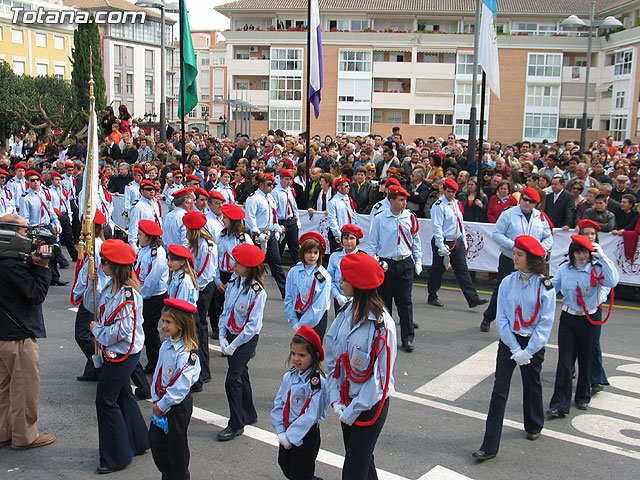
{"type": "Point", "coordinates": [15, 245]}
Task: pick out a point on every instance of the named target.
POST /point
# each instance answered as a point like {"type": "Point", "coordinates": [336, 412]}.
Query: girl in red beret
{"type": "Point", "coordinates": [300, 405]}
{"type": "Point", "coordinates": [182, 278]}
{"type": "Point", "coordinates": [350, 239]}
{"type": "Point", "coordinates": [361, 348]}
{"type": "Point", "coordinates": [308, 287]}
{"type": "Point", "coordinates": [122, 432]}
{"type": "Point", "coordinates": [525, 316]}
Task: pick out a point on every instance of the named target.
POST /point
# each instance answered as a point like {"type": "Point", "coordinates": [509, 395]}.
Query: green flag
{"type": "Point", "coordinates": [189, 72]}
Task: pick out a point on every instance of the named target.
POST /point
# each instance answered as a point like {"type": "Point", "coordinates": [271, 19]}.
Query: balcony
{"type": "Point", "coordinates": [256, 97]}
{"type": "Point", "coordinates": [250, 67]}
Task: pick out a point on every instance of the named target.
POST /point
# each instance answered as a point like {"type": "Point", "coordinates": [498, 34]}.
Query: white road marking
{"type": "Point", "coordinates": [612, 402]}
{"type": "Point", "coordinates": [628, 384]}
{"type": "Point", "coordinates": [215, 348]}
{"type": "Point", "coordinates": [630, 368]}
{"type": "Point", "coordinates": [458, 380]}
{"type": "Point", "coordinates": [73, 309]}
{"type": "Point", "coordinates": [442, 473]}
{"type": "Point", "coordinates": [624, 358]}
{"type": "Point", "coordinates": [610, 429]}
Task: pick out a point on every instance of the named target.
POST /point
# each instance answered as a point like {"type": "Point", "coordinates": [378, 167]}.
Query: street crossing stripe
{"type": "Point", "coordinates": [626, 383]}
{"type": "Point", "coordinates": [441, 473]}
{"type": "Point", "coordinates": [613, 402]}
{"type": "Point", "coordinates": [632, 368]}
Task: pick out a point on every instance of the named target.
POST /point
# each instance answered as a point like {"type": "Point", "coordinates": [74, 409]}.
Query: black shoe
{"type": "Point", "coordinates": [59, 283]}
{"type": "Point", "coordinates": [105, 470]}
{"type": "Point", "coordinates": [407, 346]}
{"type": "Point", "coordinates": [142, 395]}
{"type": "Point", "coordinates": [140, 453]}
{"type": "Point", "coordinates": [555, 413]}
{"type": "Point", "coordinates": [597, 388]}
{"type": "Point", "coordinates": [82, 378]}
{"type": "Point", "coordinates": [480, 301]}
{"type": "Point", "coordinates": [64, 266]}
{"type": "Point", "coordinates": [228, 434]}
{"type": "Point", "coordinates": [581, 405]}
{"type": "Point", "coordinates": [485, 326]}
{"type": "Point", "coordinates": [149, 369]}
{"type": "Point", "coordinates": [481, 455]}
{"type": "Point", "coordinates": [415, 326]}
{"type": "Point", "coordinates": [206, 380]}
{"type": "Point", "coordinates": [533, 436]}
{"type": "Point", "coordinates": [435, 301]}
{"type": "Point", "coordinates": [197, 387]}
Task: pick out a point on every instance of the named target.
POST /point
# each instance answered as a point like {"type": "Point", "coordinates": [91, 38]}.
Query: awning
{"type": "Point", "coordinates": [606, 86]}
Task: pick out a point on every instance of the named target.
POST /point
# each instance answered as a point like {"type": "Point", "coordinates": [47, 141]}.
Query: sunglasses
{"type": "Point", "coordinates": [148, 189]}
{"type": "Point", "coordinates": [3, 177]}
{"type": "Point", "coordinates": [269, 184]}
{"type": "Point", "coordinates": [528, 200]}
{"type": "Point", "coordinates": [34, 179]}
{"type": "Point", "coordinates": [576, 188]}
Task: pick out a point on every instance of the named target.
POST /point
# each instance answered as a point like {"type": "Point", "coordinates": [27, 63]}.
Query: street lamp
{"type": "Point", "coordinates": [171, 8]}
{"type": "Point", "coordinates": [575, 21]}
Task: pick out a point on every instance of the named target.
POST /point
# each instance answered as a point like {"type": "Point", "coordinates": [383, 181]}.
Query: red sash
{"type": "Point", "coordinates": [287, 408]}
{"type": "Point", "coordinates": [299, 306]}
{"type": "Point", "coordinates": [232, 319]}
{"type": "Point", "coordinates": [520, 321]}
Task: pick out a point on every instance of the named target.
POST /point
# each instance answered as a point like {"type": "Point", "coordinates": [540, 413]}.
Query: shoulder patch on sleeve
{"type": "Point", "coordinates": [314, 379]}
{"type": "Point", "coordinates": [181, 276]}
{"type": "Point", "coordinates": [154, 251]}
{"type": "Point", "coordinates": [134, 203]}
{"type": "Point", "coordinates": [319, 276]}
{"type": "Point", "coordinates": [128, 293]}
{"type": "Point", "coordinates": [256, 287]}
{"type": "Point", "coordinates": [377, 205]}
{"type": "Point", "coordinates": [25, 193]}
{"type": "Point", "coordinates": [193, 356]}
{"type": "Point", "coordinates": [379, 323]}
{"type": "Point", "coordinates": [438, 202]}
{"type": "Point", "coordinates": [547, 283]}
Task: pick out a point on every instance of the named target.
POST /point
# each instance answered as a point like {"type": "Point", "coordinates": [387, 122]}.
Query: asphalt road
{"type": "Point", "coordinates": [429, 434]}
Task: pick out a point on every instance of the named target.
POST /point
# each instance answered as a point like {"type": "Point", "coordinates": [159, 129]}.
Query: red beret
{"type": "Point", "coordinates": [225, 171]}
{"type": "Point", "coordinates": [177, 172]}
{"type": "Point", "coordinates": [4, 172]}
{"type": "Point", "coordinates": [440, 154]}
{"type": "Point", "coordinates": [201, 191]}
{"type": "Point", "coordinates": [362, 271]}
{"type": "Point", "coordinates": [148, 183]}
{"type": "Point", "coordinates": [32, 173]}
{"type": "Point", "coordinates": [180, 304]}
{"type": "Point", "coordinates": [23, 166]}
{"type": "Point", "coordinates": [116, 251]}
{"type": "Point", "coordinates": [532, 193]}
{"type": "Point", "coordinates": [313, 236]}
{"type": "Point", "coordinates": [194, 220]}
{"type": "Point", "coordinates": [349, 228]}
{"type": "Point", "coordinates": [396, 190]}
{"type": "Point", "coordinates": [340, 180]}
{"type": "Point", "coordinates": [193, 177]}
{"type": "Point", "coordinates": [583, 241]}
{"type": "Point", "coordinates": [53, 174]}
{"type": "Point", "coordinates": [286, 173]}
{"type": "Point", "coordinates": [530, 244]}
{"type": "Point", "coordinates": [586, 223]}
{"type": "Point", "coordinates": [99, 218]}
{"type": "Point", "coordinates": [150, 228]}
{"type": "Point", "coordinates": [216, 195]}
{"type": "Point", "coordinates": [310, 335]}
{"type": "Point", "coordinates": [392, 181]}
{"type": "Point", "coordinates": [248, 255]}
{"type": "Point", "coordinates": [452, 184]}
{"type": "Point", "coordinates": [234, 212]}
{"type": "Point", "coordinates": [181, 251]}
{"type": "Point", "coordinates": [266, 176]}
{"type": "Point", "coordinates": [139, 171]}
{"type": "Point", "coordinates": [67, 164]}
{"type": "Point", "coordinates": [182, 192]}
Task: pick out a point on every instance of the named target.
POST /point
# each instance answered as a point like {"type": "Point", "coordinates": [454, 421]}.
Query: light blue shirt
{"type": "Point", "coordinates": [260, 212]}
{"type": "Point", "coordinates": [357, 342]}
{"type": "Point", "coordinates": [69, 182]}
{"type": "Point", "coordinates": [446, 221]}
{"type": "Point", "coordinates": [227, 192]}
{"type": "Point", "coordinates": [174, 232]}
{"type": "Point", "coordinates": [226, 244]}
{"type": "Point", "coordinates": [568, 278]}
{"type": "Point", "coordinates": [60, 201]}
{"type": "Point", "coordinates": [335, 272]}
{"type": "Point", "coordinates": [378, 208]}
{"type": "Point", "coordinates": [512, 223]}
{"type": "Point", "coordinates": [388, 233]}
{"type": "Point", "coordinates": [286, 203]}
{"type": "Point", "coordinates": [173, 358]}
{"type": "Point", "coordinates": [168, 195]}
{"type": "Point", "coordinates": [131, 194]}
{"type": "Point", "coordinates": [299, 384]}
{"type": "Point", "coordinates": [7, 205]}
{"type": "Point", "coordinates": [205, 263]}
{"type": "Point", "coordinates": [142, 209]}
{"type": "Point", "coordinates": [181, 286]}
{"type": "Point", "coordinates": [37, 210]}
{"type": "Point", "coordinates": [512, 293]}
{"type": "Point", "coordinates": [340, 212]}
{"type": "Point", "coordinates": [17, 186]}
{"type": "Point", "coordinates": [214, 223]}
{"type": "Point", "coordinates": [152, 270]}
{"type": "Point", "coordinates": [239, 302]}
{"type": "Point", "coordinates": [81, 279]}
{"type": "Point", "coordinates": [299, 281]}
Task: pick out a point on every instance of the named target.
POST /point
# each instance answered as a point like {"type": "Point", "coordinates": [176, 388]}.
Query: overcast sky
{"type": "Point", "coordinates": [202, 16]}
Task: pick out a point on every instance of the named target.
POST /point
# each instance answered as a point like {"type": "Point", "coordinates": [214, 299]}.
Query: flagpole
{"type": "Point", "coordinates": [471, 152]}
{"type": "Point", "coordinates": [183, 95]}
{"type": "Point", "coordinates": [308, 116]}
{"type": "Point", "coordinates": [483, 95]}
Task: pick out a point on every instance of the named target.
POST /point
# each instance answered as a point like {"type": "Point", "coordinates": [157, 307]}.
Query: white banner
{"type": "Point", "coordinates": [482, 251]}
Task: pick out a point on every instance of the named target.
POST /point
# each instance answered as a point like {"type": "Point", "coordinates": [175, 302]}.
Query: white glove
{"type": "Point", "coordinates": [418, 269]}
{"type": "Point", "coordinates": [343, 420]}
{"type": "Point", "coordinates": [299, 224]}
{"type": "Point", "coordinates": [229, 350]}
{"type": "Point", "coordinates": [262, 238]}
{"type": "Point", "coordinates": [521, 358]}
{"type": "Point", "coordinates": [341, 299]}
{"type": "Point", "coordinates": [223, 343]}
{"type": "Point", "coordinates": [282, 438]}
{"type": "Point", "coordinates": [444, 251]}
{"type": "Point", "coordinates": [598, 252]}
{"type": "Point", "coordinates": [277, 235]}
{"type": "Point", "coordinates": [338, 408]}
{"type": "Point", "coordinates": [295, 327]}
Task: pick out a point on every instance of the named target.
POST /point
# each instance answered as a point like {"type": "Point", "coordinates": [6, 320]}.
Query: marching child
{"type": "Point", "coordinates": [182, 277]}
{"type": "Point", "coordinates": [177, 370]}
{"type": "Point", "coordinates": [300, 405]}
{"type": "Point", "coordinates": [351, 236]}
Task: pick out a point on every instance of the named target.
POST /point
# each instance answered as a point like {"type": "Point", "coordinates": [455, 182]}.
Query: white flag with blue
{"type": "Point", "coordinates": [488, 45]}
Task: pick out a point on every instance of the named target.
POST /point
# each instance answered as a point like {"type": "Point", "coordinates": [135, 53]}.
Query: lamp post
{"type": "Point", "coordinates": [171, 8]}
{"type": "Point", "coordinates": [575, 21]}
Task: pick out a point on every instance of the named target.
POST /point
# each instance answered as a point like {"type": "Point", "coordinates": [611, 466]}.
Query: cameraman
{"type": "Point", "coordinates": [24, 286]}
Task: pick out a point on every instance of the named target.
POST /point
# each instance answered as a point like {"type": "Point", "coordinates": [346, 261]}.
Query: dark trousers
{"type": "Point", "coordinates": [152, 311]}
{"type": "Point", "coordinates": [597, 370]}
{"type": "Point", "coordinates": [274, 260]}
{"type": "Point", "coordinates": [321, 327]}
{"type": "Point", "coordinates": [576, 337]}
{"type": "Point", "coordinates": [505, 267]}
{"type": "Point", "coordinates": [291, 235]}
{"type": "Point", "coordinates": [237, 385]}
{"type": "Point", "coordinates": [458, 258]}
{"type": "Point", "coordinates": [86, 340]}
{"type": "Point", "coordinates": [531, 397]}
{"type": "Point", "coordinates": [76, 224]}
{"type": "Point", "coordinates": [299, 463]}
{"type": "Point", "coordinates": [66, 237]}
{"type": "Point", "coordinates": [333, 245]}
{"type": "Point", "coordinates": [217, 304]}
{"type": "Point", "coordinates": [121, 429]}
{"type": "Point", "coordinates": [359, 443]}
{"type": "Point", "coordinates": [398, 281]}
{"type": "Point", "coordinates": [202, 330]}
{"type": "Point", "coordinates": [55, 254]}
{"type": "Point", "coordinates": [171, 450]}
{"type": "Point", "coordinates": [139, 379]}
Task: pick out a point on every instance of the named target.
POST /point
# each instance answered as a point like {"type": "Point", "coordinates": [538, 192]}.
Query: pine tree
{"type": "Point", "coordinates": [85, 36]}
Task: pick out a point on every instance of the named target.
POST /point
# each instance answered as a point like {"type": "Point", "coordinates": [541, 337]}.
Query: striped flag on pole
{"type": "Point", "coordinates": [488, 45]}
{"type": "Point", "coordinates": [315, 77]}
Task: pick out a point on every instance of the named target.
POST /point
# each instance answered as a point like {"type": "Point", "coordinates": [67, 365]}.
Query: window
{"type": "Point", "coordinates": [394, 117]}
{"type": "Point", "coordinates": [339, 25]}
{"type": "Point", "coordinates": [204, 59]}
{"type": "Point", "coordinates": [286, 88]}
{"type": "Point", "coordinates": [264, 84]}
{"type": "Point", "coordinates": [541, 125]}
{"type": "Point", "coordinates": [117, 55]}
{"type": "Point", "coordinates": [354, 90]}
{"type": "Point", "coordinates": [204, 110]}
{"type": "Point", "coordinates": [462, 126]}
{"type": "Point", "coordinates": [395, 86]}
{"type": "Point", "coordinates": [545, 65]}
{"type": "Point", "coordinates": [359, 25]}
{"type": "Point", "coordinates": [58, 42]}
{"type": "Point", "coordinates": [286, 59]}
{"type": "Point", "coordinates": [117, 82]}
{"type": "Point", "coordinates": [148, 85]}
{"type": "Point", "coordinates": [618, 127]}
{"type": "Point", "coordinates": [193, 113]}
{"type": "Point", "coordinates": [378, 56]}
{"type": "Point", "coordinates": [116, 30]}
{"type": "Point", "coordinates": [465, 64]}
{"type": "Point", "coordinates": [285, 119]}
{"type": "Point", "coordinates": [430, 57]}
{"type": "Point", "coordinates": [41, 40]}
{"type": "Point", "coordinates": [17, 36]}
{"type": "Point", "coordinates": [128, 56]}
{"type": "Point", "coordinates": [352, 25]}
{"type": "Point", "coordinates": [203, 77]}
{"type": "Point", "coordinates": [620, 99]}
{"type": "Point", "coordinates": [18, 67]}
{"type": "Point", "coordinates": [242, 84]}
{"type": "Point", "coordinates": [377, 116]}
{"type": "Point", "coordinates": [463, 94]}
{"type": "Point", "coordinates": [149, 107]}
{"type": "Point", "coordinates": [527, 27]}
{"type": "Point", "coordinates": [396, 57]}
{"type": "Point", "coordinates": [355, 62]}
{"type": "Point", "coordinates": [378, 85]}
{"type": "Point", "coordinates": [580, 62]}
{"type": "Point", "coordinates": [242, 55]}
{"type": "Point", "coordinates": [623, 62]}
{"type": "Point", "coordinates": [148, 59]}
{"type": "Point", "coordinates": [353, 123]}
{"type": "Point", "coordinates": [543, 96]}
{"type": "Point", "coordinates": [128, 88]}
{"type": "Point", "coordinates": [574, 123]}
{"type": "Point", "coordinates": [433, 119]}
{"type": "Point", "coordinates": [42, 69]}
{"type": "Point", "coordinates": [59, 71]}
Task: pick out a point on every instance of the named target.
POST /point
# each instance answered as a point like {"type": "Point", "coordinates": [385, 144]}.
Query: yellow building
{"type": "Point", "coordinates": [38, 48]}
